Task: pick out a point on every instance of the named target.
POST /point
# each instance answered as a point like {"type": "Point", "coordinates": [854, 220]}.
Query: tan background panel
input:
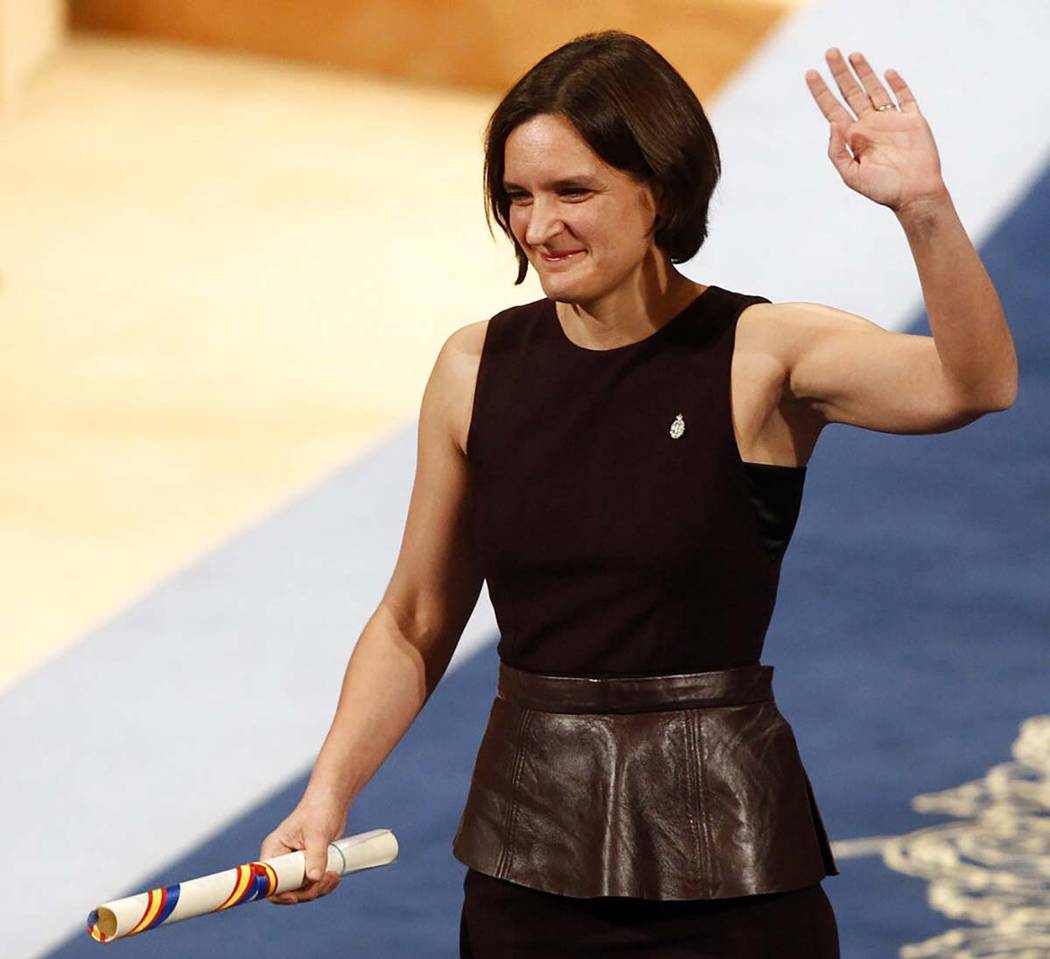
{"type": "Point", "coordinates": [29, 34]}
{"type": "Point", "coordinates": [221, 277]}
{"type": "Point", "coordinates": [483, 44]}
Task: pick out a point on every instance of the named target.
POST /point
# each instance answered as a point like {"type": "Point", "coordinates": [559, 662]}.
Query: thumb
{"type": "Point", "coordinates": [316, 856]}
{"type": "Point", "coordinates": [837, 152]}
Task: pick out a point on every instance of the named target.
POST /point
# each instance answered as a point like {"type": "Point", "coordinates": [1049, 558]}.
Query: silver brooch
{"type": "Point", "coordinates": [677, 427]}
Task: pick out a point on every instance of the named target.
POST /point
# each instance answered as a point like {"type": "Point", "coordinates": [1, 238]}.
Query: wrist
{"type": "Point", "coordinates": [328, 793]}
{"type": "Point", "coordinates": [925, 210]}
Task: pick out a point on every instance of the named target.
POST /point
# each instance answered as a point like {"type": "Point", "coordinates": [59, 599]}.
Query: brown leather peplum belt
{"type": "Point", "coordinates": [678, 786]}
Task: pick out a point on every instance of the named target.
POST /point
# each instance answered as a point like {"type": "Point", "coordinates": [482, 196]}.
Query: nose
{"type": "Point", "coordinates": [544, 222]}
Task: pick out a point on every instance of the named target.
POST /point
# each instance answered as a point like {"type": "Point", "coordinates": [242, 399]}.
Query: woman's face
{"type": "Point", "coordinates": [585, 226]}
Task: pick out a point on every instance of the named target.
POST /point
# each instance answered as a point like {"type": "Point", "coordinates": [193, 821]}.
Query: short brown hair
{"type": "Point", "coordinates": [635, 111]}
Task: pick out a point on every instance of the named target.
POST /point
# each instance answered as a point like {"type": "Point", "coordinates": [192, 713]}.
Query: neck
{"type": "Point", "coordinates": [634, 310]}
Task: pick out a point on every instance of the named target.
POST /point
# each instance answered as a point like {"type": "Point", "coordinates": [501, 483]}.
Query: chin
{"type": "Point", "coordinates": [563, 293]}
{"type": "Point", "coordinates": [563, 288]}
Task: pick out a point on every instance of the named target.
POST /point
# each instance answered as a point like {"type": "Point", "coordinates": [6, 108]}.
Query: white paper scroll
{"type": "Point", "coordinates": [232, 887]}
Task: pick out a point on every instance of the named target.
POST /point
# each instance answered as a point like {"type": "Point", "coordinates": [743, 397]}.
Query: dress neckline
{"type": "Point", "coordinates": [770, 469]}
{"type": "Point", "coordinates": [552, 308]}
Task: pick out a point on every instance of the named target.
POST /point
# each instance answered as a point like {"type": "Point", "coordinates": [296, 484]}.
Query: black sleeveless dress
{"type": "Point", "coordinates": [622, 535]}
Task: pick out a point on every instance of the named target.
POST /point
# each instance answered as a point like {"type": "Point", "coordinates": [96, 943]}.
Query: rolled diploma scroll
{"type": "Point", "coordinates": [221, 890]}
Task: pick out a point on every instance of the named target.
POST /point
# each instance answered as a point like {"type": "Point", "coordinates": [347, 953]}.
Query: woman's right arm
{"type": "Point", "coordinates": [408, 641]}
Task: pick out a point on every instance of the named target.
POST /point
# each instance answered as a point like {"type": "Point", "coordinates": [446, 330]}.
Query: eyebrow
{"type": "Point", "coordinates": [582, 180]}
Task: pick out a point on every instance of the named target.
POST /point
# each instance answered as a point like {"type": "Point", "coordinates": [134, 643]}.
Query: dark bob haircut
{"type": "Point", "coordinates": [636, 112]}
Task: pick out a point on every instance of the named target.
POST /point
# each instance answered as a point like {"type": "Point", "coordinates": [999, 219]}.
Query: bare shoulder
{"type": "Point", "coordinates": [466, 342]}
{"type": "Point", "coordinates": [455, 376]}
{"type": "Point", "coordinates": [780, 406]}
{"type": "Point", "coordinates": [787, 339]}
{"type": "Point", "coordinates": [771, 425]}
{"type": "Point", "coordinates": [784, 331]}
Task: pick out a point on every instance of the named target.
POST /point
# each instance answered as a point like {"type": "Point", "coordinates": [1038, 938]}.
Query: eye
{"type": "Point", "coordinates": [575, 192]}
{"type": "Point", "coordinates": [518, 197]}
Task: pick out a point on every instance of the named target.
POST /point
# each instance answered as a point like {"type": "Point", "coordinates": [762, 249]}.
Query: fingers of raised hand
{"type": "Point", "coordinates": [861, 99]}
{"type": "Point", "coordinates": [826, 100]}
{"type": "Point", "coordinates": [847, 83]}
{"type": "Point", "coordinates": [312, 890]}
{"type": "Point", "coordinates": [874, 92]}
{"type": "Point", "coordinates": [902, 91]}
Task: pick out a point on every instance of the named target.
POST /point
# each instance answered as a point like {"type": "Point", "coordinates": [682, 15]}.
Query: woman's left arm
{"type": "Point", "coordinates": [851, 370]}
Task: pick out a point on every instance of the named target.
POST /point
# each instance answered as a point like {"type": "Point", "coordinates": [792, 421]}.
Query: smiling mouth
{"type": "Point", "coordinates": [561, 258]}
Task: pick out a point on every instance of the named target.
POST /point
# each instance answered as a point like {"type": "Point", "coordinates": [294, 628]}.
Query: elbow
{"type": "Point", "coordinates": [975, 407]}
{"type": "Point", "coordinates": [991, 397]}
{"type": "Point", "coordinates": [1003, 403]}
{"type": "Point", "coordinates": [1003, 397]}
{"type": "Point", "coordinates": [1005, 394]}
{"type": "Point", "coordinates": [989, 386]}
{"type": "Point", "coordinates": [411, 623]}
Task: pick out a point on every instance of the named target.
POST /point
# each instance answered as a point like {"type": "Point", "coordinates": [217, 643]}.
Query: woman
{"type": "Point", "coordinates": [623, 462]}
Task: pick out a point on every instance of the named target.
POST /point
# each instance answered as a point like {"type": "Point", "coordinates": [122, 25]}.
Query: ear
{"type": "Point", "coordinates": [657, 190]}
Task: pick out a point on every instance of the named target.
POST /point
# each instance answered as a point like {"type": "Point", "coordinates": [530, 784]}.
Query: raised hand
{"type": "Point", "coordinates": [892, 158]}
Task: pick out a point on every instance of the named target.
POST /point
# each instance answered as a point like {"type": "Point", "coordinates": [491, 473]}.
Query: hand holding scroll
{"type": "Point", "coordinates": [309, 827]}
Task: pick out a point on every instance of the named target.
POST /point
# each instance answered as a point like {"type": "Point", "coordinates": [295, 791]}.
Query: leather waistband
{"type": "Point", "coordinates": [635, 694]}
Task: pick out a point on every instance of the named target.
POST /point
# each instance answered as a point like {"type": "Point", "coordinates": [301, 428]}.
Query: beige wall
{"type": "Point", "coordinates": [30, 30]}
{"type": "Point", "coordinates": [478, 44]}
